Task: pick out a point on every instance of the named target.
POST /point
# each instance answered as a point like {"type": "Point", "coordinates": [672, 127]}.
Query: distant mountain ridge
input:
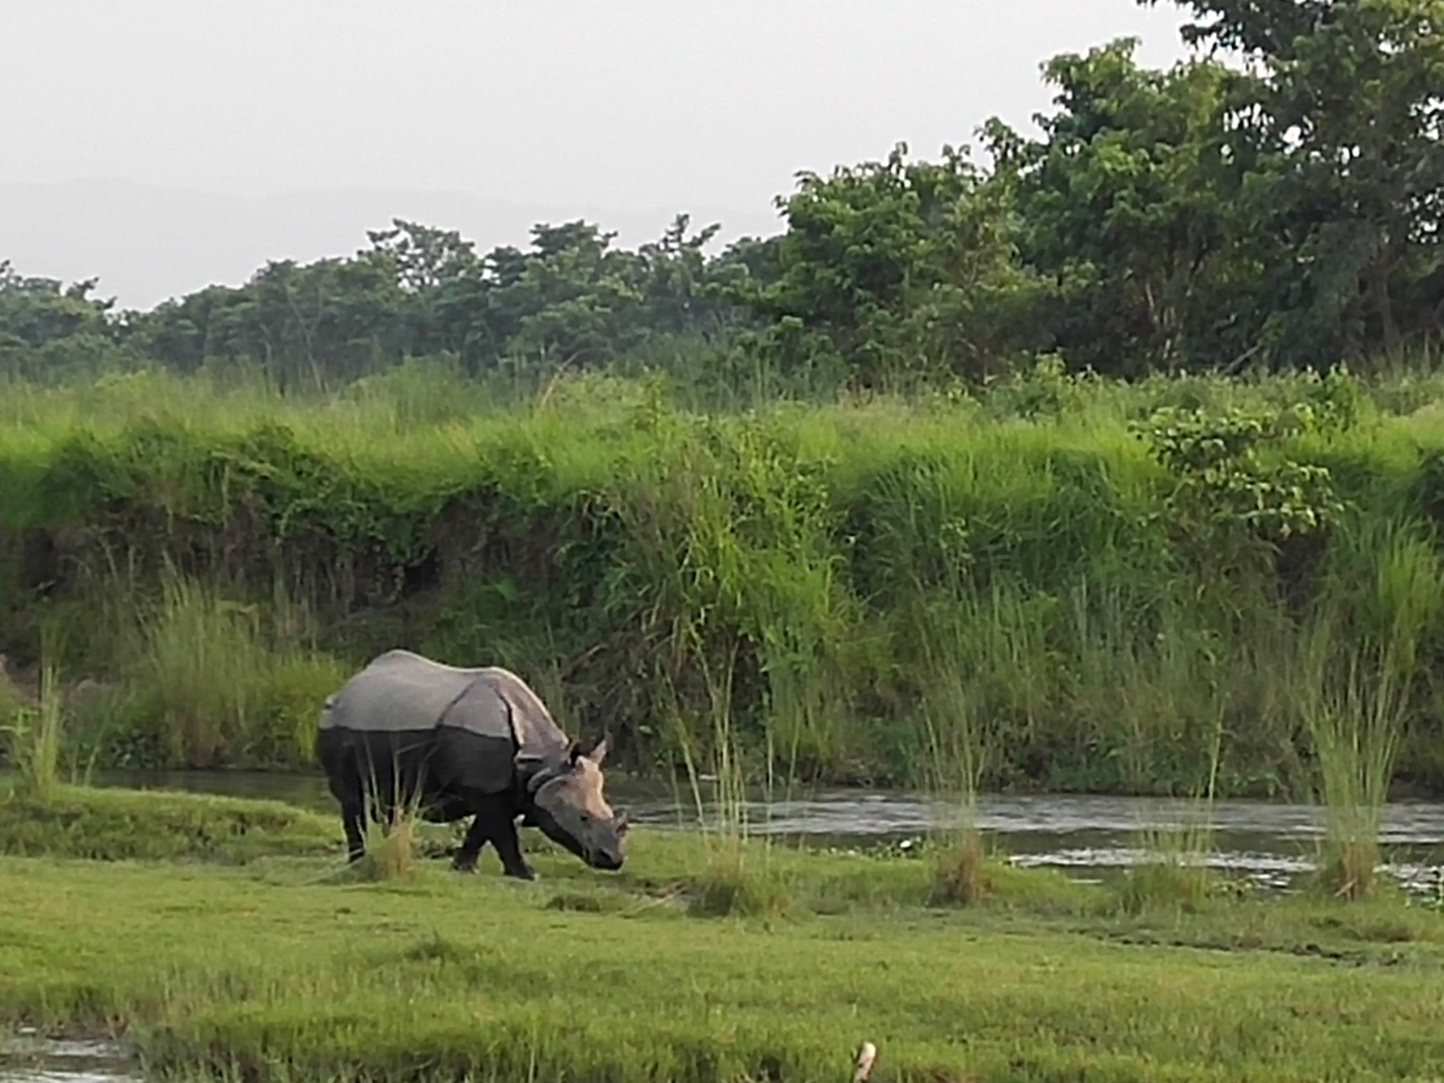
{"type": "Point", "coordinates": [148, 243]}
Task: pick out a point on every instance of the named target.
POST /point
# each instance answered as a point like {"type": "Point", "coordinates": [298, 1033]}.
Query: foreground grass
{"type": "Point", "coordinates": [288, 967]}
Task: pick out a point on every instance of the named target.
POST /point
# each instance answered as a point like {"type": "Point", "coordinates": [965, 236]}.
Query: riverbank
{"type": "Point", "coordinates": [272, 966]}
{"type": "Point", "coordinates": [1054, 584]}
{"type": "Point", "coordinates": [1273, 845]}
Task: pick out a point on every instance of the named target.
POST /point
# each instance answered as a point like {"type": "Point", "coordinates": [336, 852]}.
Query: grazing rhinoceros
{"type": "Point", "coordinates": [463, 742]}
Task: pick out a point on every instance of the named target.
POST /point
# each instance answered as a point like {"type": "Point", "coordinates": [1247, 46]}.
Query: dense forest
{"type": "Point", "coordinates": [1114, 464]}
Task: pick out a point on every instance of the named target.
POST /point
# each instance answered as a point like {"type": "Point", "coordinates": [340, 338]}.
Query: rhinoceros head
{"type": "Point", "coordinates": [570, 809]}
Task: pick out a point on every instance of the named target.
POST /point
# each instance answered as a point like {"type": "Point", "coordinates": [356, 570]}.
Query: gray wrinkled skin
{"type": "Point", "coordinates": [479, 742]}
{"type": "Point", "coordinates": [571, 810]}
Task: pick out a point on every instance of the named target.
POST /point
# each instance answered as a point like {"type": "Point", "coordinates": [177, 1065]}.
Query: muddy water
{"type": "Point", "coordinates": [27, 1058]}
{"type": "Point", "coordinates": [1270, 843]}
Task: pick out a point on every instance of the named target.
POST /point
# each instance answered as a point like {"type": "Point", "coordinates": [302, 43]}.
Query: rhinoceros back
{"type": "Point", "coordinates": [480, 719]}
{"type": "Point", "coordinates": [398, 691]}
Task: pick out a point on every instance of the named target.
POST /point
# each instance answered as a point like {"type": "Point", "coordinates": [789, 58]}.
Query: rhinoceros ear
{"type": "Point", "coordinates": [599, 751]}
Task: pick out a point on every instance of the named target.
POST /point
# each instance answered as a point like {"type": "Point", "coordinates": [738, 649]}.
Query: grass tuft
{"type": "Point", "coordinates": [392, 851]}
{"type": "Point", "coordinates": [961, 872]}
{"type": "Point", "coordinates": [35, 739]}
{"type": "Point", "coordinates": [727, 886]}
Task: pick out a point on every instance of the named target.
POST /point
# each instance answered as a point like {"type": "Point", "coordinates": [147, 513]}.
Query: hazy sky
{"type": "Point", "coordinates": [624, 104]}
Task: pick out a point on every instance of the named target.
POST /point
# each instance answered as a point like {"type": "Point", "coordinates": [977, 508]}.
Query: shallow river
{"type": "Point", "coordinates": [24, 1058]}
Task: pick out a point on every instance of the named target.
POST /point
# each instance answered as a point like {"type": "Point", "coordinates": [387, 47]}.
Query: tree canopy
{"type": "Point", "coordinates": [1274, 199]}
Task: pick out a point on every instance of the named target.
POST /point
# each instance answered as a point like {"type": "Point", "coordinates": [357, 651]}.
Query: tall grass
{"type": "Point", "coordinates": [855, 576]}
{"type": "Point", "coordinates": [215, 677]}
{"type": "Point", "coordinates": [1175, 873]}
{"type": "Point", "coordinates": [35, 738]}
{"type": "Point", "coordinates": [1355, 723]}
{"type": "Point", "coordinates": [731, 881]}
{"type": "Point", "coordinates": [955, 749]}
{"type": "Point", "coordinates": [1360, 656]}
{"type": "Point", "coordinates": [200, 653]}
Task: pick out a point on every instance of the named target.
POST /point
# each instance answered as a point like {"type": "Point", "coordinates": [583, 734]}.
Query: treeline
{"type": "Point", "coordinates": [1056, 583]}
{"type": "Point", "coordinates": [1280, 210]}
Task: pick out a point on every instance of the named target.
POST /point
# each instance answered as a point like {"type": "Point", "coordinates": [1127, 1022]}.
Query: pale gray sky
{"type": "Point", "coordinates": [221, 116]}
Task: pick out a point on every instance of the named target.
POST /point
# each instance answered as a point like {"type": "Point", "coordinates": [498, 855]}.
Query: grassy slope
{"type": "Point", "coordinates": [1035, 489]}
{"type": "Point", "coordinates": [117, 824]}
{"type": "Point", "coordinates": [284, 966]}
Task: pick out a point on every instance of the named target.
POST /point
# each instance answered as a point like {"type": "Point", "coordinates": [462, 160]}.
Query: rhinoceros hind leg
{"type": "Point", "coordinates": [352, 819]}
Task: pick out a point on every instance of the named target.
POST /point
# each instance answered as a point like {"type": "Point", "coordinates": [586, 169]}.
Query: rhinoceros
{"type": "Point", "coordinates": [464, 742]}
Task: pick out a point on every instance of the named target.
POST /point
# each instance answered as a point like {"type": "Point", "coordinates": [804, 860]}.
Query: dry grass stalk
{"type": "Point", "coordinates": [863, 1062]}
{"type": "Point", "coordinates": [960, 876]}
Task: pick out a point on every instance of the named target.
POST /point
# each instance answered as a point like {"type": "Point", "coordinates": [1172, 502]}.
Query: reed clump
{"type": "Point", "coordinates": [961, 873]}
{"type": "Point", "coordinates": [35, 735]}
{"type": "Point", "coordinates": [1361, 655]}
{"type": "Point", "coordinates": [391, 828]}
{"type": "Point", "coordinates": [728, 885]}
{"type": "Point", "coordinates": [1174, 875]}
{"type": "Point", "coordinates": [392, 850]}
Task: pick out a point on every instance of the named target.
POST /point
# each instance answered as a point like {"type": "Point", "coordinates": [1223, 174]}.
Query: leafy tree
{"type": "Point", "coordinates": [330, 318]}
{"type": "Point", "coordinates": [424, 258]}
{"type": "Point", "coordinates": [40, 310]}
{"type": "Point", "coordinates": [1124, 210]}
{"type": "Point", "coordinates": [1342, 105]}
{"type": "Point", "coordinates": [49, 330]}
{"type": "Point", "coordinates": [570, 297]}
{"type": "Point", "coordinates": [890, 268]}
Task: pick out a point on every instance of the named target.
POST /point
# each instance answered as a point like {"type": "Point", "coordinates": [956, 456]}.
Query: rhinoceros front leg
{"type": "Point", "coordinates": [476, 838]}
{"type": "Point", "coordinates": [508, 846]}
{"type": "Point", "coordinates": [495, 823]}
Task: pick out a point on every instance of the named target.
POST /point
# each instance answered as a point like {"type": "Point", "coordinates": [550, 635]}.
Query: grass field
{"type": "Point", "coordinates": [258, 964]}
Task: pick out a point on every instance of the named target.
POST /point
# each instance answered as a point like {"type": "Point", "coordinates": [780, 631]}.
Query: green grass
{"type": "Point", "coordinates": [117, 824]}
{"type": "Point", "coordinates": [279, 966]}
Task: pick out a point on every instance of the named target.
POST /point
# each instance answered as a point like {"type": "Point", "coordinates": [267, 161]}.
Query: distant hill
{"type": "Point", "coordinates": [147, 243]}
